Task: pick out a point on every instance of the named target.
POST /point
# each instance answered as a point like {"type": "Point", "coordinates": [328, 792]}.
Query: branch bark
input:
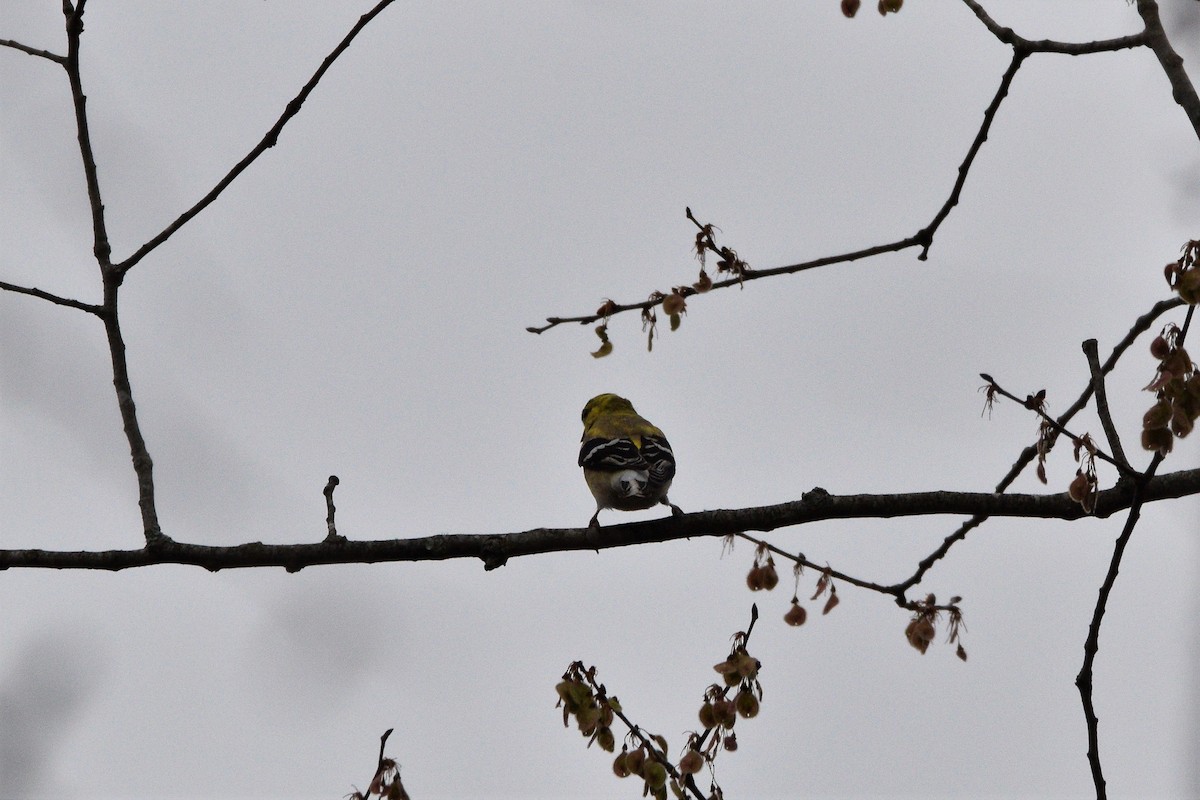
{"type": "Point", "coordinates": [494, 550]}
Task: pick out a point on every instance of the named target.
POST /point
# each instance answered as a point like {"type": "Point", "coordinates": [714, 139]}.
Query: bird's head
{"type": "Point", "coordinates": [605, 404]}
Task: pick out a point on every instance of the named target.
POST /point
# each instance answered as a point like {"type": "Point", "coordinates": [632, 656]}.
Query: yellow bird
{"type": "Point", "coordinates": [627, 462]}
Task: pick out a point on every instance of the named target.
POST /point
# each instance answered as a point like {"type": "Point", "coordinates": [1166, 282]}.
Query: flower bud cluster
{"type": "Point", "coordinates": [1176, 386]}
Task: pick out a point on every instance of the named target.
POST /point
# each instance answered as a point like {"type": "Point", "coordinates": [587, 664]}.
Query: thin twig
{"type": "Point", "coordinates": [1091, 353]}
{"type": "Point", "coordinates": [33, 51]}
{"type": "Point", "coordinates": [1091, 646]}
{"type": "Point", "coordinates": [1022, 48]}
{"type": "Point", "coordinates": [74, 26]}
{"type": "Point", "coordinates": [53, 298]}
{"type": "Point", "coordinates": [332, 535]}
{"type": "Point", "coordinates": [804, 562]}
{"type": "Point", "coordinates": [1140, 326]}
{"type": "Point", "coordinates": [1055, 425]}
{"type": "Point", "coordinates": [268, 141]}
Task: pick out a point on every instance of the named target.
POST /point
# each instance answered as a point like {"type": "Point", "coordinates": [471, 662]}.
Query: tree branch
{"type": "Point", "coordinates": [268, 141]}
{"type": "Point", "coordinates": [33, 51]}
{"type": "Point", "coordinates": [1091, 646]}
{"type": "Point", "coordinates": [74, 25]}
{"type": "Point", "coordinates": [495, 549]}
{"type": "Point", "coordinates": [1140, 326]}
{"type": "Point", "coordinates": [53, 298]}
{"type": "Point", "coordinates": [1181, 85]}
{"type": "Point", "coordinates": [1092, 355]}
{"type": "Point", "coordinates": [1022, 48]}
{"type": "Point", "coordinates": [1010, 37]}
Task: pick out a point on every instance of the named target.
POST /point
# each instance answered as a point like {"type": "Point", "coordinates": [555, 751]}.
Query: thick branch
{"type": "Point", "coordinates": [1181, 85]}
{"type": "Point", "coordinates": [495, 549]}
{"type": "Point", "coordinates": [268, 141]}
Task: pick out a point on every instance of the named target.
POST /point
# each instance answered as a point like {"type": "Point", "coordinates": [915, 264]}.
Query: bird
{"type": "Point", "coordinates": [627, 462]}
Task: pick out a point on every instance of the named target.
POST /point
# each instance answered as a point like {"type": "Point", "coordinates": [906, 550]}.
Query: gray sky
{"type": "Point", "coordinates": [355, 305]}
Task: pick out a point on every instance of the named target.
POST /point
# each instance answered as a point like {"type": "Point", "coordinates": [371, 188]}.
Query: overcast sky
{"type": "Point", "coordinates": [356, 303]}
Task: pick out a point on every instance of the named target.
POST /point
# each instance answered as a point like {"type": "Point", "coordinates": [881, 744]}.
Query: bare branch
{"type": "Point", "coordinates": [1010, 37]}
{"type": "Point", "coordinates": [747, 275]}
{"type": "Point", "coordinates": [53, 298]}
{"type": "Point", "coordinates": [1181, 85]}
{"type": "Point", "coordinates": [494, 550]}
{"type": "Point", "coordinates": [926, 235]}
{"type": "Point", "coordinates": [268, 141]}
{"type": "Point", "coordinates": [1092, 354]}
{"type": "Point", "coordinates": [1083, 681]}
{"type": "Point", "coordinates": [1022, 48]}
{"type": "Point", "coordinates": [330, 511]}
{"type": "Point", "coordinates": [1140, 326]}
{"type": "Point", "coordinates": [143, 465]}
{"type": "Point", "coordinates": [100, 245]}
{"type": "Point", "coordinates": [33, 51]}
{"type": "Point", "coordinates": [1056, 426]}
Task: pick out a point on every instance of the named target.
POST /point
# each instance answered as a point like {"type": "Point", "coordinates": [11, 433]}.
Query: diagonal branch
{"type": "Point", "coordinates": [1022, 48]}
{"type": "Point", "coordinates": [268, 141]}
{"type": "Point", "coordinates": [1102, 410]}
{"type": "Point", "coordinates": [33, 51]}
{"type": "Point", "coordinates": [1140, 326]}
{"type": "Point", "coordinates": [74, 25]}
{"type": "Point", "coordinates": [1181, 85]}
{"type": "Point", "coordinates": [53, 298]}
{"type": "Point", "coordinates": [1091, 646]}
{"type": "Point", "coordinates": [494, 550]}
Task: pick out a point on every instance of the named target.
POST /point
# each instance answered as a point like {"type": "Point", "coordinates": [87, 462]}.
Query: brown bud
{"type": "Point", "coordinates": [754, 578]}
{"type": "Point", "coordinates": [770, 578]}
{"type": "Point", "coordinates": [746, 703]}
{"type": "Point", "coordinates": [725, 713]}
{"type": "Point", "coordinates": [674, 303]}
{"type": "Point", "coordinates": [796, 615]}
{"type": "Point", "coordinates": [635, 760]}
{"type": "Point", "coordinates": [1157, 439]}
{"type": "Point", "coordinates": [1158, 415]}
{"type": "Point", "coordinates": [850, 7]}
{"type": "Point", "coordinates": [920, 633]}
{"type": "Point", "coordinates": [620, 766]}
{"type": "Point", "coordinates": [691, 763]}
{"type": "Point", "coordinates": [747, 665]}
{"type": "Point", "coordinates": [707, 717]}
{"type": "Point", "coordinates": [655, 775]}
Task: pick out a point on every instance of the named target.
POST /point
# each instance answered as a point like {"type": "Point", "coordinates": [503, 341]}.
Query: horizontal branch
{"type": "Point", "coordinates": [495, 549]}
{"type": "Point", "coordinates": [1010, 37]}
{"type": "Point", "coordinates": [747, 275]}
